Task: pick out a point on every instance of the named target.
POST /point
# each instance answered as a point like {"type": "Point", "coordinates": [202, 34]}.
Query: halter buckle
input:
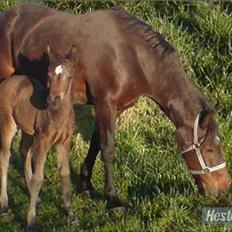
{"type": "Point", "coordinates": [196, 146]}
{"type": "Point", "coordinates": [206, 170]}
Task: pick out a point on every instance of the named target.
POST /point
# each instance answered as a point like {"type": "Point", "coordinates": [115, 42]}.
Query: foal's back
{"type": "Point", "coordinates": [16, 99]}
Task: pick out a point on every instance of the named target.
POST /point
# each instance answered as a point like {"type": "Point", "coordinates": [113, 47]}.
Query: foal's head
{"type": "Point", "coordinates": [201, 150]}
{"type": "Point", "coordinates": [60, 74]}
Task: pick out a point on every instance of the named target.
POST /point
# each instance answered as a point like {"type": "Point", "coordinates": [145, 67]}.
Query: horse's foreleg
{"type": "Point", "coordinates": [63, 151]}
{"type": "Point", "coordinates": [106, 115]}
{"type": "Point", "coordinates": [7, 134]}
{"type": "Point", "coordinates": [87, 167]}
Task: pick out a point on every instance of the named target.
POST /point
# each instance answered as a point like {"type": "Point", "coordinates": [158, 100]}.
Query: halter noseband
{"type": "Point", "coordinates": [196, 146]}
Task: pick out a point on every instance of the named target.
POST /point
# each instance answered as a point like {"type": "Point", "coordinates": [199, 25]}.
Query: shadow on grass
{"type": "Point", "coordinates": [152, 189]}
{"type": "Point", "coordinates": [85, 121]}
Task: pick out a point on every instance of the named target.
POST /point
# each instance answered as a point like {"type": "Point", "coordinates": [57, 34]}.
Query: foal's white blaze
{"type": "Point", "coordinates": [58, 70]}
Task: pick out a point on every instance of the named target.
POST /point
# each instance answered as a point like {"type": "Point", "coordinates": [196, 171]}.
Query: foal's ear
{"type": "Point", "coordinates": [205, 117]}
{"type": "Point", "coordinates": [48, 49]}
{"type": "Point", "coordinates": [52, 54]}
{"type": "Point", "coordinates": [72, 53]}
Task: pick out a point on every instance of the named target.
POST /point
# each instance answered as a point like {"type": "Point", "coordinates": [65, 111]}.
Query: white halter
{"type": "Point", "coordinates": [196, 146]}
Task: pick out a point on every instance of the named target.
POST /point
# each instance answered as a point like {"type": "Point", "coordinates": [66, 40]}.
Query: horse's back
{"type": "Point", "coordinates": [29, 17]}
{"type": "Point", "coordinates": [106, 52]}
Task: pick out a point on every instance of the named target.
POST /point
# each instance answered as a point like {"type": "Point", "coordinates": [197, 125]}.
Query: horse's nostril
{"type": "Point", "coordinates": [222, 198]}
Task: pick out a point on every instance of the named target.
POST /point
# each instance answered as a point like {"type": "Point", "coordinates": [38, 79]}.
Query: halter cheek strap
{"type": "Point", "coordinates": [196, 147]}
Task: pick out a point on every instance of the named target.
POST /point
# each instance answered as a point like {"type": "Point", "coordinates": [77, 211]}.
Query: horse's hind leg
{"type": "Point", "coordinates": [8, 129]}
{"type": "Point", "coordinates": [63, 151]}
{"type": "Point", "coordinates": [87, 167]}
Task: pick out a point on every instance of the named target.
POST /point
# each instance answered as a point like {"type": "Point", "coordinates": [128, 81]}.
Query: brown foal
{"type": "Point", "coordinates": [52, 124]}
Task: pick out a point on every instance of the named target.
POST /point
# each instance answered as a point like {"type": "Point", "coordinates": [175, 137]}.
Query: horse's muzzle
{"type": "Point", "coordinates": [220, 195]}
{"type": "Point", "coordinates": [54, 101]}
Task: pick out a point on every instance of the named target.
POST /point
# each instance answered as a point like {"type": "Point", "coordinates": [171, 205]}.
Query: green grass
{"type": "Point", "coordinates": [150, 174]}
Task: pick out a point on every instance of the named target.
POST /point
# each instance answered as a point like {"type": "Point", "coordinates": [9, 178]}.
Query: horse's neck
{"type": "Point", "coordinates": [177, 96]}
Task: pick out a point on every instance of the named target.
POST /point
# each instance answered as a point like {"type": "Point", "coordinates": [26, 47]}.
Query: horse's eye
{"type": "Point", "coordinates": [209, 150]}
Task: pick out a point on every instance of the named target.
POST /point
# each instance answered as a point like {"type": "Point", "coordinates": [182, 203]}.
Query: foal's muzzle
{"type": "Point", "coordinates": [54, 101]}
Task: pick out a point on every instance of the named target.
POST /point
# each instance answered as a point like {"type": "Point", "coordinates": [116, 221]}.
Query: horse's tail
{"type": "Point", "coordinates": [7, 20]}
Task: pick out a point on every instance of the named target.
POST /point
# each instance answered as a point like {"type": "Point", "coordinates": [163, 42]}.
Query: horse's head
{"type": "Point", "coordinates": [201, 150]}
{"type": "Point", "coordinates": [60, 74]}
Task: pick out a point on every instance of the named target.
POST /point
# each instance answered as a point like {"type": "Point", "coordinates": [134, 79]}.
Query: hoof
{"type": "Point", "coordinates": [86, 188]}
{"type": "Point", "coordinates": [4, 210]}
{"type": "Point", "coordinates": [30, 228]}
{"type": "Point", "coordinates": [118, 209]}
{"type": "Point", "coordinates": [115, 205]}
{"type": "Point", "coordinates": [85, 193]}
{"type": "Point", "coordinates": [91, 192]}
{"type": "Point", "coordinates": [74, 220]}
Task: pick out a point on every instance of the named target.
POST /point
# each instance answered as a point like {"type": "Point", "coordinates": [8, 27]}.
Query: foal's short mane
{"type": "Point", "coordinates": [144, 31]}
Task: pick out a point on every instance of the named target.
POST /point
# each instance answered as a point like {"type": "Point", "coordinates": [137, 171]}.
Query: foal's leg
{"type": "Point", "coordinates": [63, 151]}
{"type": "Point", "coordinates": [7, 133]}
{"type": "Point", "coordinates": [26, 143]}
{"type": "Point", "coordinates": [39, 150]}
{"type": "Point", "coordinates": [106, 115]}
{"type": "Point", "coordinates": [87, 167]}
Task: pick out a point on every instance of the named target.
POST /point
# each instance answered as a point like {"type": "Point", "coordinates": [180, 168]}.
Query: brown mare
{"type": "Point", "coordinates": [52, 125]}
{"type": "Point", "coordinates": [120, 59]}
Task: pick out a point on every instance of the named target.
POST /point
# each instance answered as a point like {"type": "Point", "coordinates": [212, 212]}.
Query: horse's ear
{"type": "Point", "coordinates": [72, 53]}
{"type": "Point", "coordinates": [205, 117]}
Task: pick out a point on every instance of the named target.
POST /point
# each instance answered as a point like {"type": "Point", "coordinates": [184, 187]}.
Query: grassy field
{"type": "Point", "coordinates": [150, 173]}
